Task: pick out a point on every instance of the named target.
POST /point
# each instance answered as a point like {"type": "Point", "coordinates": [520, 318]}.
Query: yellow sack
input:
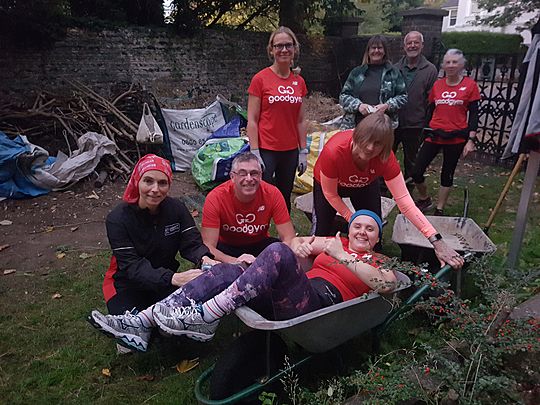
{"type": "Point", "coordinates": [315, 143]}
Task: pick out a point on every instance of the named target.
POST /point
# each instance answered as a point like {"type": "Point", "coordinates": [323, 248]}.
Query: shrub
{"type": "Point", "coordinates": [480, 42]}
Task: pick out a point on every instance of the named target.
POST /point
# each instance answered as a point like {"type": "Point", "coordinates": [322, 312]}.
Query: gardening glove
{"type": "Point", "coordinates": [302, 161]}
{"type": "Point", "coordinates": [258, 154]}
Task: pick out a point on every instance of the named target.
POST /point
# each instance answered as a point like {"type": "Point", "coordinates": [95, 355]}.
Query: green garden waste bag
{"type": "Point", "coordinates": [212, 162]}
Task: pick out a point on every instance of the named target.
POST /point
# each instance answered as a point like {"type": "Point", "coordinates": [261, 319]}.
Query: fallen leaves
{"type": "Point", "coordinates": [9, 271]}
{"type": "Point", "coordinates": [92, 196]}
{"type": "Point", "coordinates": [60, 255]}
{"type": "Point", "coordinates": [56, 296]}
{"type": "Point", "coordinates": [186, 365]}
{"type": "Point", "coordinates": [6, 222]}
{"type": "Point", "coordinates": [106, 372]}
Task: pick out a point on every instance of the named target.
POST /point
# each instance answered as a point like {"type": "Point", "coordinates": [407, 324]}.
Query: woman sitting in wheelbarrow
{"type": "Point", "coordinates": [343, 269]}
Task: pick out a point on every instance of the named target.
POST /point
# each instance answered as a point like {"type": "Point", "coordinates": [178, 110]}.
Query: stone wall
{"type": "Point", "coordinates": [175, 68]}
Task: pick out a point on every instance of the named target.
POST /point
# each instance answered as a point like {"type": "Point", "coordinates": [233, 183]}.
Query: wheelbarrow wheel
{"type": "Point", "coordinates": [245, 363]}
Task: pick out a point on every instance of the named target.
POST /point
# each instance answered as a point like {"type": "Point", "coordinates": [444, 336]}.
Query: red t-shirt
{"type": "Point", "coordinates": [335, 161]}
{"type": "Point", "coordinates": [281, 100]}
{"type": "Point", "coordinates": [451, 107]}
{"type": "Point", "coordinates": [347, 283]}
{"type": "Point", "coordinates": [243, 223]}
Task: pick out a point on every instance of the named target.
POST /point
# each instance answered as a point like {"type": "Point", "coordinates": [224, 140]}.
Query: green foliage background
{"type": "Point", "coordinates": [480, 42]}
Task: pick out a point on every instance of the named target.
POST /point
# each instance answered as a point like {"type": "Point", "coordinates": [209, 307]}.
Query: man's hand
{"type": "Point", "coordinates": [207, 260]}
{"type": "Point", "coordinates": [305, 249]}
{"type": "Point", "coordinates": [179, 279]}
{"type": "Point", "coordinates": [334, 248]}
{"type": "Point", "coordinates": [245, 258]}
{"type": "Point", "coordinates": [447, 255]}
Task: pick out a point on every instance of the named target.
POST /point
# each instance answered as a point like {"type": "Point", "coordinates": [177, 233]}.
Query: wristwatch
{"type": "Point", "coordinates": [434, 238]}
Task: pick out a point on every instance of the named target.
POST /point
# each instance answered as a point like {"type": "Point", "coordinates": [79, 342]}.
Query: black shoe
{"type": "Point", "coordinates": [438, 213]}
{"type": "Point", "coordinates": [424, 205]}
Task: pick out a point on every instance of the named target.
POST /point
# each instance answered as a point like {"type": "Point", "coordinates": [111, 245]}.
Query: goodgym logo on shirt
{"type": "Point", "coordinates": [448, 97]}
{"type": "Point", "coordinates": [355, 181]}
{"type": "Point", "coordinates": [286, 95]}
{"type": "Point", "coordinates": [244, 224]}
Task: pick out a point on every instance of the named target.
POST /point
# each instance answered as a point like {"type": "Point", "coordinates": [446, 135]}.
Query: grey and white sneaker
{"type": "Point", "coordinates": [185, 321]}
{"type": "Point", "coordinates": [127, 329]}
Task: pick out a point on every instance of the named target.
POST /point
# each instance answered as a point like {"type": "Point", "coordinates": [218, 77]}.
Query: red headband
{"type": "Point", "coordinates": [145, 164]}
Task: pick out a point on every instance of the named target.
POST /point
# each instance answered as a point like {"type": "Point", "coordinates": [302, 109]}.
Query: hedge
{"type": "Point", "coordinates": [482, 42]}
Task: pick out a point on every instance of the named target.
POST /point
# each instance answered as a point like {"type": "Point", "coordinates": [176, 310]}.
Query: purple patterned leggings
{"type": "Point", "coordinates": [274, 285]}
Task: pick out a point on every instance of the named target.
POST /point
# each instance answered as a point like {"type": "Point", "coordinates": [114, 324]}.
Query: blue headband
{"type": "Point", "coordinates": [370, 214]}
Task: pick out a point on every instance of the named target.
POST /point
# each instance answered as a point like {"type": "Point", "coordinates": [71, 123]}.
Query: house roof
{"type": "Point", "coordinates": [450, 3]}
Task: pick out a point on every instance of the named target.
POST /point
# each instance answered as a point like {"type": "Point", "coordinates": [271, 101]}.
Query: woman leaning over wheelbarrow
{"type": "Point", "coordinates": [350, 165]}
{"type": "Point", "coordinates": [342, 270]}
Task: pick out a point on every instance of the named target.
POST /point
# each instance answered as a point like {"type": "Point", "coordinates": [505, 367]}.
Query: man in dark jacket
{"type": "Point", "coordinates": [419, 74]}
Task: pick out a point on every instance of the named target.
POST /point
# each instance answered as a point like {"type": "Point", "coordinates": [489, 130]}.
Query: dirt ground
{"type": "Point", "coordinates": [73, 220]}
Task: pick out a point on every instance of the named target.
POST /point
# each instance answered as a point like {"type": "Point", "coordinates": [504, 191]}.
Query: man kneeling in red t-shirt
{"type": "Point", "coordinates": [237, 214]}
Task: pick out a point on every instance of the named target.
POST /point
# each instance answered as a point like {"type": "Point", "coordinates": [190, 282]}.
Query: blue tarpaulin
{"type": "Point", "coordinates": [16, 157]}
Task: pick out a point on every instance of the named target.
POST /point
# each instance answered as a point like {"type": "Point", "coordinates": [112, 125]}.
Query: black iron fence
{"type": "Point", "coordinates": [497, 77]}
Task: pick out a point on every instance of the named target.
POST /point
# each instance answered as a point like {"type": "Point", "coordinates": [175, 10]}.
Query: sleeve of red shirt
{"type": "Point", "coordinates": [327, 163]}
{"type": "Point", "coordinates": [475, 92]}
{"type": "Point", "coordinates": [210, 218]}
{"type": "Point", "coordinates": [391, 167]}
{"type": "Point", "coordinates": [280, 214]}
{"type": "Point", "coordinates": [255, 87]}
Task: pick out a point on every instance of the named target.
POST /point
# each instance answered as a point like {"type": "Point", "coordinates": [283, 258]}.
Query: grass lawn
{"type": "Point", "coordinates": [49, 354]}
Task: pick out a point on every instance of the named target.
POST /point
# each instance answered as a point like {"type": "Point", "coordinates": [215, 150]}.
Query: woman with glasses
{"type": "Point", "coordinates": [276, 120]}
{"type": "Point", "coordinates": [374, 86]}
{"type": "Point", "coordinates": [454, 102]}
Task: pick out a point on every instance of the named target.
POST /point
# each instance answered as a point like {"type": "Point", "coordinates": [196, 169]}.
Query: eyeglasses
{"type": "Point", "coordinates": [288, 46]}
{"type": "Point", "coordinates": [255, 174]}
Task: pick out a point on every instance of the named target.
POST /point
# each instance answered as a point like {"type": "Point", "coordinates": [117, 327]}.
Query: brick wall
{"type": "Point", "coordinates": [200, 67]}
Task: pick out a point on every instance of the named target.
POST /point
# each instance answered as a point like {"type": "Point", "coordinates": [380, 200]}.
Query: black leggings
{"type": "Point", "coordinates": [428, 151]}
{"type": "Point", "coordinates": [280, 170]}
{"type": "Point", "coordinates": [368, 197]}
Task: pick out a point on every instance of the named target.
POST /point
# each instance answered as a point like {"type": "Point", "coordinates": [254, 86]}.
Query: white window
{"type": "Point", "coordinates": [452, 17]}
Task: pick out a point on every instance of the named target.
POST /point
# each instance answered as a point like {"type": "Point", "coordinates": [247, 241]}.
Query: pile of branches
{"type": "Point", "coordinates": [55, 123]}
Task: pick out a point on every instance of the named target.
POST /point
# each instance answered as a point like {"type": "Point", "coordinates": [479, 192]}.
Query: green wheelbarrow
{"type": "Point", "coordinates": [255, 361]}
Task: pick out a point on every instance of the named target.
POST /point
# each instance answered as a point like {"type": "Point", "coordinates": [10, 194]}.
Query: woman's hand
{"type": "Point", "coordinates": [305, 248]}
{"type": "Point", "coordinates": [179, 279]}
{"type": "Point", "coordinates": [447, 255]}
{"type": "Point", "coordinates": [365, 109]}
{"type": "Point", "coordinates": [245, 258]}
{"type": "Point", "coordinates": [334, 248]}
{"type": "Point", "coordinates": [381, 107]}
{"type": "Point", "coordinates": [469, 147]}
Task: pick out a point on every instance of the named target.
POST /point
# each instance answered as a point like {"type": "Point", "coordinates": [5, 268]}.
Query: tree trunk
{"type": "Point", "coordinates": [292, 14]}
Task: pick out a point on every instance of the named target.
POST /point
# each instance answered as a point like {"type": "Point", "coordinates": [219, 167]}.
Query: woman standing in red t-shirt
{"type": "Point", "coordinates": [454, 103]}
{"type": "Point", "coordinates": [276, 121]}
